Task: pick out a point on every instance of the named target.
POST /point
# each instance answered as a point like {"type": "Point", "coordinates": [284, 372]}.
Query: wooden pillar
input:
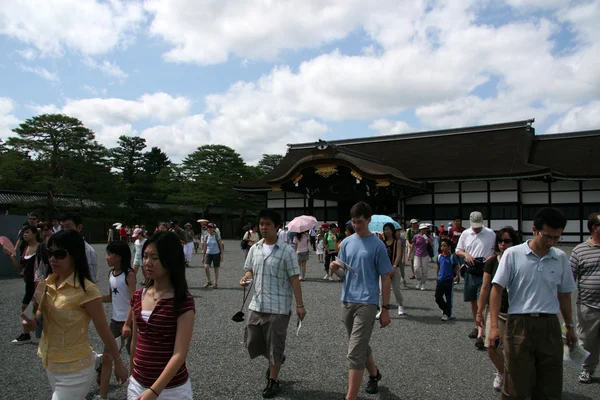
{"type": "Point", "coordinates": [285, 207]}
{"type": "Point", "coordinates": [581, 216]}
{"type": "Point", "coordinates": [549, 190]}
{"type": "Point", "coordinates": [489, 204]}
{"type": "Point", "coordinates": [519, 206]}
{"type": "Point", "coordinates": [433, 203]}
{"type": "Point", "coordinates": [460, 211]}
{"type": "Point", "coordinates": [325, 211]}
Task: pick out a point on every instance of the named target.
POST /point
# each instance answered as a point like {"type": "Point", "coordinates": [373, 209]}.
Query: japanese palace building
{"type": "Point", "coordinates": [503, 170]}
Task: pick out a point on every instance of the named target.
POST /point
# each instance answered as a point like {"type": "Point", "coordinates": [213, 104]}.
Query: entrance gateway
{"type": "Point", "coordinates": [503, 170]}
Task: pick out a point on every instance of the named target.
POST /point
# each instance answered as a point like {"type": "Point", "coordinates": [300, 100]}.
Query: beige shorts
{"type": "Point", "coordinates": [265, 335]}
{"type": "Point", "coordinates": [501, 325]}
{"type": "Point", "coordinates": [359, 320]}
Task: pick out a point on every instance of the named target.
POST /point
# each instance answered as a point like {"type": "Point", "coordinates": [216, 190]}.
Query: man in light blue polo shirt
{"type": "Point", "coordinates": [366, 254]}
{"type": "Point", "coordinates": [539, 282]}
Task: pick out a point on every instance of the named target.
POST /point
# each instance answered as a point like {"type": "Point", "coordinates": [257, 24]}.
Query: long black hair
{"type": "Point", "coordinates": [121, 249]}
{"type": "Point", "coordinates": [392, 227]}
{"type": "Point", "coordinates": [170, 254]}
{"type": "Point", "coordinates": [72, 241]}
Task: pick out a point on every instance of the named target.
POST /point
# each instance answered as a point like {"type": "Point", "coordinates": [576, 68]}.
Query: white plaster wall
{"type": "Point", "coordinates": [534, 186]}
{"type": "Point", "coordinates": [446, 198]}
{"type": "Point", "coordinates": [422, 199]}
{"type": "Point", "coordinates": [565, 197]}
{"type": "Point", "coordinates": [503, 197]}
{"type": "Point", "coordinates": [591, 185]}
{"type": "Point", "coordinates": [503, 185]}
{"type": "Point", "coordinates": [318, 203]}
{"type": "Point", "coordinates": [535, 198]}
{"type": "Point", "coordinates": [275, 195]}
{"type": "Point", "coordinates": [591, 196]}
{"type": "Point", "coordinates": [527, 226]}
{"type": "Point", "coordinates": [474, 186]}
{"type": "Point", "coordinates": [565, 185]}
{"type": "Point", "coordinates": [498, 224]}
{"type": "Point", "coordinates": [446, 187]}
{"type": "Point", "coordinates": [474, 197]}
{"type": "Point", "coordinates": [572, 226]}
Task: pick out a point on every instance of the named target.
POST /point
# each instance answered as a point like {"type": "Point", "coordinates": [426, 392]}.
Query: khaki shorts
{"type": "Point", "coordinates": [501, 325]}
{"type": "Point", "coordinates": [359, 320]}
{"type": "Point", "coordinates": [265, 335]}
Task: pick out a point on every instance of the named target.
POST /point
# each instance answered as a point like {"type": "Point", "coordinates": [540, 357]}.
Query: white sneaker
{"type": "Point", "coordinates": [498, 382]}
{"type": "Point", "coordinates": [378, 315]}
{"type": "Point", "coordinates": [418, 286]}
{"type": "Point", "coordinates": [330, 277]}
{"type": "Point", "coordinates": [326, 276]}
{"type": "Point", "coordinates": [400, 310]}
{"type": "Point", "coordinates": [445, 317]}
{"type": "Point", "coordinates": [423, 287]}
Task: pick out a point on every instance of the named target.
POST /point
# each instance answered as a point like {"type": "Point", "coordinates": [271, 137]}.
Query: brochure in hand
{"type": "Point", "coordinates": [345, 266]}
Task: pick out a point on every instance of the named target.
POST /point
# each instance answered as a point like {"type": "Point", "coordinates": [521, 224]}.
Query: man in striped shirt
{"type": "Point", "coordinates": [273, 265]}
{"type": "Point", "coordinates": [585, 263]}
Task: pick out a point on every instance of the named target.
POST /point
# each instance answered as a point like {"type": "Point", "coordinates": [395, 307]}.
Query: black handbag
{"type": "Point", "coordinates": [477, 267]}
{"type": "Point", "coordinates": [239, 316]}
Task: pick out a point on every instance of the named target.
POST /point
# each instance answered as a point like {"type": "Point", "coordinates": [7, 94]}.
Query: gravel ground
{"type": "Point", "coordinates": [419, 356]}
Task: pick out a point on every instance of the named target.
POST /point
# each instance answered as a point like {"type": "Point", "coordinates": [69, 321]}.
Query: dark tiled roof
{"type": "Point", "coordinates": [573, 155]}
{"type": "Point", "coordinates": [490, 151]}
{"type": "Point", "coordinates": [34, 198]}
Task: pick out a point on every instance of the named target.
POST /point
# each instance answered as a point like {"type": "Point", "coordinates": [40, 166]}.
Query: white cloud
{"type": "Point", "coordinates": [93, 90]}
{"type": "Point", "coordinates": [386, 127]}
{"type": "Point", "coordinates": [106, 67]}
{"type": "Point", "coordinates": [537, 4]}
{"type": "Point", "coordinates": [580, 118]}
{"type": "Point", "coordinates": [208, 32]}
{"type": "Point", "coordinates": [7, 118]}
{"type": "Point", "coordinates": [86, 26]}
{"type": "Point", "coordinates": [42, 73]}
{"type": "Point", "coordinates": [28, 54]}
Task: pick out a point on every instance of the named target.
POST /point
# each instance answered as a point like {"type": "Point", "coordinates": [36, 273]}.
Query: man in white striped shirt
{"type": "Point", "coordinates": [585, 263]}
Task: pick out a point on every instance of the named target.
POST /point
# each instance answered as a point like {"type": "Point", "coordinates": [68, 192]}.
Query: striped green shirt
{"type": "Point", "coordinates": [585, 263]}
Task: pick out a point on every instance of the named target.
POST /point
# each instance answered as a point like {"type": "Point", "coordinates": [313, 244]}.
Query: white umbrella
{"type": "Point", "coordinates": [117, 223]}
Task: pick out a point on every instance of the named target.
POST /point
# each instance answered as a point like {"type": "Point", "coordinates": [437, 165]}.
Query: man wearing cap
{"type": "Point", "coordinates": [477, 242]}
{"type": "Point", "coordinates": [585, 264]}
{"type": "Point", "coordinates": [188, 247]}
{"type": "Point", "coordinates": [410, 234]}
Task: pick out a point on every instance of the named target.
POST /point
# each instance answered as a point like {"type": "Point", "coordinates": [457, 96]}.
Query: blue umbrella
{"type": "Point", "coordinates": [378, 221]}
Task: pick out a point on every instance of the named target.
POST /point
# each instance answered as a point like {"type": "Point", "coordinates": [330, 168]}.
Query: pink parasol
{"type": "Point", "coordinates": [7, 244]}
{"type": "Point", "coordinates": [302, 223]}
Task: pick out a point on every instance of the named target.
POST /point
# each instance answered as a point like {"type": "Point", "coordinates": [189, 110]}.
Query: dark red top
{"type": "Point", "coordinates": [156, 340]}
{"type": "Point", "coordinates": [455, 233]}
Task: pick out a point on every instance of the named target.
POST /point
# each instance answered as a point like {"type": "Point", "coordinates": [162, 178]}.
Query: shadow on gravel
{"type": "Point", "coordinates": [289, 392]}
{"type": "Point", "coordinates": [573, 396]}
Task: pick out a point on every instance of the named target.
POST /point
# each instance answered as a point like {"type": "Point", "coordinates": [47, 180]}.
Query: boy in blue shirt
{"type": "Point", "coordinates": [447, 273]}
{"type": "Point", "coordinates": [366, 254]}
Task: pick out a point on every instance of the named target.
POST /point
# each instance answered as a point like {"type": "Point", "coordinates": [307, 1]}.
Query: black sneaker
{"type": "Point", "coordinates": [479, 343]}
{"type": "Point", "coordinates": [22, 339]}
{"type": "Point", "coordinates": [272, 389]}
{"type": "Point", "coordinates": [473, 334]}
{"type": "Point", "coordinates": [371, 387]}
{"type": "Point", "coordinates": [268, 373]}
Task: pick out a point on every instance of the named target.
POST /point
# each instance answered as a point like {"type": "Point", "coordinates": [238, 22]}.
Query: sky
{"type": "Point", "coordinates": [256, 75]}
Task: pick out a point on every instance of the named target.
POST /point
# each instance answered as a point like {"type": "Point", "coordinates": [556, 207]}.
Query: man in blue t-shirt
{"type": "Point", "coordinates": [365, 253]}
{"type": "Point", "coordinates": [447, 274]}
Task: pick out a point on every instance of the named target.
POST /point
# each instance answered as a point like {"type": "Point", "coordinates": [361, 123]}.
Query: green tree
{"type": "Point", "coordinates": [209, 175]}
{"type": "Point", "coordinates": [128, 158]}
{"type": "Point", "coordinates": [67, 157]}
{"type": "Point", "coordinates": [154, 161]}
{"type": "Point", "coordinates": [268, 162]}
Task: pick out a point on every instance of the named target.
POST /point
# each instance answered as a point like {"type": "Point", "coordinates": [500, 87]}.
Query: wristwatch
{"type": "Point", "coordinates": [387, 306]}
{"type": "Point", "coordinates": [569, 325]}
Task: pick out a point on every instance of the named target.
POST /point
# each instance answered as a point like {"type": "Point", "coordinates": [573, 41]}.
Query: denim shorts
{"type": "Point", "coordinates": [472, 287]}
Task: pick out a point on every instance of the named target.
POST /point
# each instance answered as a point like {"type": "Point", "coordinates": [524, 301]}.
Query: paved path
{"type": "Point", "coordinates": [419, 356]}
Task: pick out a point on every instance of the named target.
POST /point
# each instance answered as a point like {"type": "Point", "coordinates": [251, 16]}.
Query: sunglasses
{"type": "Point", "coordinates": [59, 254]}
{"type": "Point", "coordinates": [505, 241]}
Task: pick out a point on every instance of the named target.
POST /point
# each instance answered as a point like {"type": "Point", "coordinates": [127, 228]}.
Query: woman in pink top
{"type": "Point", "coordinates": [163, 320]}
{"type": "Point", "coordinates": [421, 241]}
{"type": "Point", "coordinates": [301, 242]}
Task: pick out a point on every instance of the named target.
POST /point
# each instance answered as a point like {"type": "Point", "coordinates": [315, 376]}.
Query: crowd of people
{"type": "Point", "coordinates": [515, 290]}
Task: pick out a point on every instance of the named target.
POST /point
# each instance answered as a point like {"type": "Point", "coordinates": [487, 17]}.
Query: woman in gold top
{"type": "Point", "coordinates": [67, 305]}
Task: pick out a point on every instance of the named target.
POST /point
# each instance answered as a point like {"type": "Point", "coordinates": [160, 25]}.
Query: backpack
{"type": "Point", "coordinates": [453, 259]}
{"type": "Point", "coordinates": [244, 242]}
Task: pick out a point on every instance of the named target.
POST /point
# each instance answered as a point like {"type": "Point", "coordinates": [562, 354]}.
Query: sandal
{"type": "Point", "coordinates": [209, 284]}
{"type": "Point", "coordinates": [215, 286]}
